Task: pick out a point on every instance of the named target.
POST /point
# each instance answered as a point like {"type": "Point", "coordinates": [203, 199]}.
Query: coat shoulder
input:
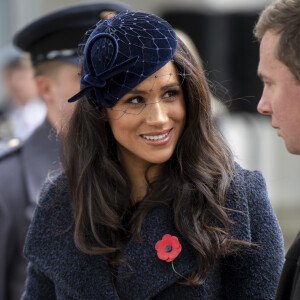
{"type": "Point", "coordinates": [9, 151]}
{"type": "Point", "coordinates": [54, 191]}
{"type": "Point", "coordinates": [249, 205]}
{"type": "Point", "coordinates": [246, 188]}
{"type": "Point", "coordinates": [12, 187]}
{"type": "Point", "coordinates": [53, 216]}
{"type": "Point", "coordinates": [251, 187]}
{"type": "Point", "coordinates": [247, 179]}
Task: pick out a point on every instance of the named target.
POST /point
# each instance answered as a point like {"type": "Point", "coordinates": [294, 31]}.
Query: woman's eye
{"type": "Point", "coordinates": [135, 100]}
{"type": "Point", "coordinates": [170, 94]}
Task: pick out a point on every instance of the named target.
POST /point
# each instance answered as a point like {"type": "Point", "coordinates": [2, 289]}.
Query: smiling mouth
{"type": "Point", "coordinates": [156, 137]}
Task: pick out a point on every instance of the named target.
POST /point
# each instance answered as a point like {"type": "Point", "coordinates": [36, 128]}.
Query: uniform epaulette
{"type": "Point", "coordinates": [9, 147]}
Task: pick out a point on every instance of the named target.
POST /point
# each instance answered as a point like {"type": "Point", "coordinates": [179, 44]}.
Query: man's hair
{"type": "Point", "coordinates": [49, 68]}
{"type": "Point", "coordinates": [283, 17]}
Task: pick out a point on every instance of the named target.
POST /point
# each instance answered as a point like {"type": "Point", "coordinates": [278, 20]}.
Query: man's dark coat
{"type": "Point", "coordinates": [22, 173]}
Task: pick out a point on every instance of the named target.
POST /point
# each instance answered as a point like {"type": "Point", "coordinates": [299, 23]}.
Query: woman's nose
{"type": "Point", "coordinates": [156, 113]}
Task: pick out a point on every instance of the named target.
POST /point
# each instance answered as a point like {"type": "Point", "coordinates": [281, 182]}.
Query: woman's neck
{"type": "Point", "coordinates": [136, 170]}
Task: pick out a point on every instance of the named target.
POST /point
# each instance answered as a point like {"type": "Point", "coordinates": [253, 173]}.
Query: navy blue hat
{"type": "Point", "coordinates": [57, 35]}
{"type": "Point", "coordinates": [121, 52]}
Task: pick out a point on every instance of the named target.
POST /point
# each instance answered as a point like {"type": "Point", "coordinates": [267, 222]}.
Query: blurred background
{"type": "Point", "coordinates": [222, 33]}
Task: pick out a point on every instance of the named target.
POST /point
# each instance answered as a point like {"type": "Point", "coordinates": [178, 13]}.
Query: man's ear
{"type": "Point", "coordinates": [45, 88]}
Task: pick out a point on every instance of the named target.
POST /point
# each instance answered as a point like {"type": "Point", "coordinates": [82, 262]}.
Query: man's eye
{"type": "Point", "coordinates": [266, 83]}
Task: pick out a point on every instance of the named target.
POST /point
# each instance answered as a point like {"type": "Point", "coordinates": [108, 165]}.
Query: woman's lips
{"type": "Point", "coordinates": [157, 138]}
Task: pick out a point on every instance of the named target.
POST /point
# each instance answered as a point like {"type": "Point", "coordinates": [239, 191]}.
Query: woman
{"type": "Point", "coordinates": [150, 204]}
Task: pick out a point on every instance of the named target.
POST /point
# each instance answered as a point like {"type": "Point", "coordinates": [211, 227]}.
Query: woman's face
{"type": "Point", "coordinates": [154, 120]}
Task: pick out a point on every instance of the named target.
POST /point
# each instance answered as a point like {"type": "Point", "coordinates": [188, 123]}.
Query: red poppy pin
{"type": "Point", "coordinates": [168, 248]}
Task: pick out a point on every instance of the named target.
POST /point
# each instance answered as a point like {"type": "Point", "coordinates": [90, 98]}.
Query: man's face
{"type": "Point", "coordinates": [66, 85]}
{"type": "Point", "coordinates": [281, 94]}
{"type": "Point", "coordinates": [20, 85]}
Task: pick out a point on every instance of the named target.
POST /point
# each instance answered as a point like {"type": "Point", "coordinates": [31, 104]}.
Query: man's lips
{"type": "Point", "coordinates": [277, 128]}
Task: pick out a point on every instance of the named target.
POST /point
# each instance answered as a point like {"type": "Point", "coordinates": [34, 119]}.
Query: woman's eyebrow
{"type": "Point", "coordinates": [171, 85]}
{"type": "Point", "coordinates": [163, 88]}
{"type": "Point", "coordinates": [136, 91]}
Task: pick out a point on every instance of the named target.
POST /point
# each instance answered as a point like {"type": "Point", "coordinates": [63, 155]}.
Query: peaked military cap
{"type": "Point", "coordinates": [57, 35]}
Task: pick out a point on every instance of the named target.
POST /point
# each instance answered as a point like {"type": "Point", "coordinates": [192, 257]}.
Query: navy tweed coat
{"type": "Point", "coordinates": [58, 270]}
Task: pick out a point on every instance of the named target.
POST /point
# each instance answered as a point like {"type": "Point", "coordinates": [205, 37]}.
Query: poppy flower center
{"type": "Point", "coordinates": [168, 248]}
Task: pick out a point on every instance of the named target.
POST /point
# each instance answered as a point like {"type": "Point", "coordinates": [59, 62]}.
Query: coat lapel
{"type": "Point", "coordinates": [147, 275]}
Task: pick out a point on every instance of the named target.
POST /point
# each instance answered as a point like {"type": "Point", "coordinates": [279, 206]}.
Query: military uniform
{"type": "Point", "coordinates": [23, 171]}
{"type": "Point", "coordinates": [24, 168]}
{"type": "Point", "coordinates": [6, 131]}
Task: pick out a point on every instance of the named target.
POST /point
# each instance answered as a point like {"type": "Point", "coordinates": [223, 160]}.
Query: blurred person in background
{"type": "Point", "coordinates": [218, 108]}
{"type": "Point", "coordinates": [22, 111]}
{"type": "Point", "coordinates": [52, 42]}
{"type": "Point", "coordinates": [278, 30]}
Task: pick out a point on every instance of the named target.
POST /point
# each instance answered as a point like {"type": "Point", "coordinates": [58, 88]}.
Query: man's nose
{"type": "Point", "coordinates": [264, 106]}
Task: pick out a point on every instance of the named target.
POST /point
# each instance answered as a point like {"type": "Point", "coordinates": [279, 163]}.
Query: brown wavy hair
{"type": "Point", "coordinates": [194, 181]}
